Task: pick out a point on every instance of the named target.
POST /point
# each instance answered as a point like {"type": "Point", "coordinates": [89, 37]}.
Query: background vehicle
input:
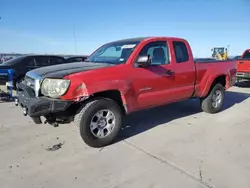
{"type": "Point", "coordinates": [22, 64]}
{"type": "Point", "coordinates": [243, 66]}
{"type": "Point", "coordinates": [76, 59]}
{"type": "Point", "coordinates": [123, 77]}
{"type": "Point", "coordinates": [4, 58]}
{"type": "Point", "coordinates": [220, 53]}
{"type": "Point", "coordinates": [237, 57]}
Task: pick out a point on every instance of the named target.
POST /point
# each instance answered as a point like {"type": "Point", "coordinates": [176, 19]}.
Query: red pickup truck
{"type": "Point", "coordinates": [243, 66]}
{"type": "Point", "coordinates": [122, 77]}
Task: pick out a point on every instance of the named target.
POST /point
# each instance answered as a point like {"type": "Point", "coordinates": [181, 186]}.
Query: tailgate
{"type": "Point", "coordinates": [243, 65]}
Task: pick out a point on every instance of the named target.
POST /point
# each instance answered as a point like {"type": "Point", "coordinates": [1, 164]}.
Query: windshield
{"type": "Point", "coordinates": [246, 55]}
{"type": "Point", "coordinates": [12, 61]}
{"type": "Point", "coordinates": [114, 53]}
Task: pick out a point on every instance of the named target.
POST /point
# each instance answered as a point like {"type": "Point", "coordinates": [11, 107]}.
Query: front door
{"type": "Point", "coordinates": [153, 84]}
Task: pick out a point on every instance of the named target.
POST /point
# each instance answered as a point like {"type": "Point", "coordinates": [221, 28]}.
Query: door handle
{"type": "Point", "coordinates": [169, 73]}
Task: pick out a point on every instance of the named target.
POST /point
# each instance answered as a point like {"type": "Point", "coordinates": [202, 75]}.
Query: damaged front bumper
{"type": "Point", "coordinates": [35, 107]}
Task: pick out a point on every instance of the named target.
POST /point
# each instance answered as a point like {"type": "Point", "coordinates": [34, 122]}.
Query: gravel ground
{"type": "Point", "coordinates": [172, 146]}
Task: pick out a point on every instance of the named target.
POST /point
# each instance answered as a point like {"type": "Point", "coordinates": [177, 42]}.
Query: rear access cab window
{"type": "Point", "coordinates": [181, 52]}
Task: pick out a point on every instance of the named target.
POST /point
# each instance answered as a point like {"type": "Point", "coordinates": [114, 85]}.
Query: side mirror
{"type": "Point", "coordinates": [143, 61]}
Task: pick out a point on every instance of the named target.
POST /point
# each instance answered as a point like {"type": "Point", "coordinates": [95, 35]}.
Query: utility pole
{"type": "Point", "coordinates": [228, 48]}
{"type": "Point", "coordinates": [74, 38]}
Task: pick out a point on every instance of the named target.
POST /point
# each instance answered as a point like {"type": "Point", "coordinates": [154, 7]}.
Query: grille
{"type": "Point", "coordinates": [42, 107]}
{"type": "Point", "coordinates": [33, 81]}
{"type": "Point", "coordinates": [29, 82]}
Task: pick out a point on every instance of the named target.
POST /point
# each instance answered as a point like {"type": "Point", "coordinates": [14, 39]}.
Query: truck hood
{"type": "Point", "coordinates": [62, 70]}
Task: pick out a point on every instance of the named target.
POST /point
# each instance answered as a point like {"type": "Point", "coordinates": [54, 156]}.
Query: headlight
{"type": "Point", "coordinates": [54, 88]}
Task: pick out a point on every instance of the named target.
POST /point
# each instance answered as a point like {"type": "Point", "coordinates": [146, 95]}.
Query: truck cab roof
{"type": "Point", "coordinates": [139, 39]}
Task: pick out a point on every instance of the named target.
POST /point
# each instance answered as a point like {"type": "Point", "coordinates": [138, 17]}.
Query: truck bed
{"type": "Point", "coordinates": [211, 60]}
{"type": "Point", "coordinates": [204, 70]}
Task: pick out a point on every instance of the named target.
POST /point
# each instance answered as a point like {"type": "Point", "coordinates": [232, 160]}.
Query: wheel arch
{"type": "Point", "coordinates": [112, 94]}
{"type": "Point", "coordinates": [221, 79]}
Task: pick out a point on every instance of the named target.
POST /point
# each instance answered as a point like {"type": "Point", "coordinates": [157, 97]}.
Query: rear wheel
{"type": "Point", "coordinates": [100, 121]}
{"type": "Point", "coordinates": [213, 102]}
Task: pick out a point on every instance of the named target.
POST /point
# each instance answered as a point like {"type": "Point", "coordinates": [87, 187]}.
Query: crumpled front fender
{"type": "Point", "coordinates": [83, 91]}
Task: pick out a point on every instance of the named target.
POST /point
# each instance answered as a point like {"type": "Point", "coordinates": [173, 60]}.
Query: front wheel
{"type": "Point", "coordinates": [213, 102]}
{"type": "Point", "coordinates": [100, 121]}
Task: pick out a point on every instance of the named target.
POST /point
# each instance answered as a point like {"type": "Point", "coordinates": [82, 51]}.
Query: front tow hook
{"type": "Point", "coordinates": [16, 102]}
{"type": "Point", "coordinates": [25, 111]}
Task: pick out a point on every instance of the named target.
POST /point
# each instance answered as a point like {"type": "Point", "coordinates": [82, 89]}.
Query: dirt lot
{"type": "Point", "coordinates": [173, 146]}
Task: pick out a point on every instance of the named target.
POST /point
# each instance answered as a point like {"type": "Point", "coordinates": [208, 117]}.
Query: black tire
{"type": "Point", "coordinates": [207, 102]}
{"type": "Point", "coordinates": [36, 120]}
{"type": "Point", "coordinates": [87, 112]}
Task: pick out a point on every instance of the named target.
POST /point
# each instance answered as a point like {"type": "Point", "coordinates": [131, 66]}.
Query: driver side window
{"type": "Point", "coordinates": [158, 52]}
